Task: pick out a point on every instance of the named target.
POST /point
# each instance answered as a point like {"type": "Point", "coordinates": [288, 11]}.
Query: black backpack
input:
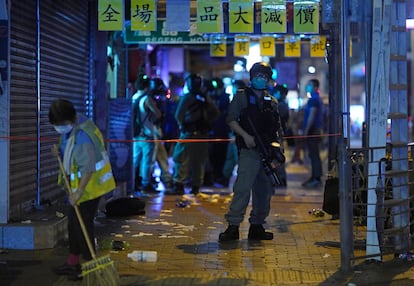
{"type": "Point", "coordinates": [125, 206]}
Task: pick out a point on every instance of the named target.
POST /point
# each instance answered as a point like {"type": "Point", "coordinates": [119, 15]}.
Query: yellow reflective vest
{"type": "Point", "coordinates": [102, 180]}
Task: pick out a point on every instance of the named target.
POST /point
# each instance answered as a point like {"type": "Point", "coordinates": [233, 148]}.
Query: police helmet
{"type": "Point", "coordinates": [157, 86]}
{"type": "Point", "coordinates": [261, 67]}
{"type": "Point", "coordinates": [142, 82]}
{"type": "Point", "coordinates": [194, 83]}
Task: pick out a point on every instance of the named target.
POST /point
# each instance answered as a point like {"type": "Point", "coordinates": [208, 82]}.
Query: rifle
{"type": "Point", "coordinates": [269, 164]}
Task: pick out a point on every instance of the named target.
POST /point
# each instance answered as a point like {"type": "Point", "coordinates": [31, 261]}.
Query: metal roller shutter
{"type": "Point", "coordinates": [64, 73]}
{"type": "Point", "coordinates": [23, 107]}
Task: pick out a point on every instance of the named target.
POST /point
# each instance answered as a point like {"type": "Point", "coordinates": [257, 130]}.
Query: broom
{"type": "Point", "coordinates": [98, 271]}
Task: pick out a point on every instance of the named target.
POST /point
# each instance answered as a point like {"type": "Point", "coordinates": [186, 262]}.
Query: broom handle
{"type": "Point", "coordinates": [77, 211]}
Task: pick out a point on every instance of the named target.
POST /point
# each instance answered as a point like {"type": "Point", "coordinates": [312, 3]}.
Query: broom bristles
{"type": "Point", "coordinates": [100, 272]}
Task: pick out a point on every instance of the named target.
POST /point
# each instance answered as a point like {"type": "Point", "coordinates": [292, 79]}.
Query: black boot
{"type": "Point", "coordinates": [177, 189]}
{"type": "Point", "coordinates": [231, 233]}
{"type": "Point", "coordinates": [257, 232]}
{"type": "Point", "coordinates": [195, 190]}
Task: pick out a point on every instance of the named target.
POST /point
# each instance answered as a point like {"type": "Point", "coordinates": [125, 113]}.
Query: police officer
{"type": "Point", "coordinates": [195, 115]}
{"type": "Point", "coordinates": [251, 111]}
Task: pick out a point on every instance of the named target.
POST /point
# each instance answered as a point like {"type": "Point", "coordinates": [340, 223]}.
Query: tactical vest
{"type": "Point", "coordinates": [196, 116]}
{"type": "Point", "coordinates": [265, 119]}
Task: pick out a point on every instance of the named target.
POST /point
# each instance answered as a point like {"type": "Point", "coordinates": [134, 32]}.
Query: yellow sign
{"type": "Point", "coordinates": [209, 15]}
{"type": "Point", "coordinates": [143, 15]}
{"type": "Point", "coordinates": [241, 46]}
{"type": "Point", "coordinates": [318, 46]}
{"type": "Point", "coordinates": [218, 47]}
{"type": "Point", "coordinates": [241, 18]}
{"type": "Point", "coordinates": [267, 46]}
{"type": "Point", "coordinates": [306, 17]}
{"type": "Point", "coordinates": [273, 16]}
{"type": "Point", "coordinates": [292, 46]}
{"type": "Point", "coordinates": [110, 15]}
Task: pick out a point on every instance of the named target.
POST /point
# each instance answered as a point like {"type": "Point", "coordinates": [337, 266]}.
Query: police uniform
{"type": "Point", "coordinates": [252, 113]}
{"type": "Point", "coordinates": [194, 115]}
{"type": "Point", "coordinates": [251, 174]}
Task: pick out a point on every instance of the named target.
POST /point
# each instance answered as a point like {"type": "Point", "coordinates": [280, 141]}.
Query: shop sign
{"type": "Point", "coordinates": [162, 36]}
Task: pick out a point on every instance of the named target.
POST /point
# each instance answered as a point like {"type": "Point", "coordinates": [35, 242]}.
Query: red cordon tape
{"type": "Point", "coordinates": [27, 138]}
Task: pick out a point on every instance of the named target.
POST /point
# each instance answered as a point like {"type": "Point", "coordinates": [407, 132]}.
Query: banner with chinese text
{"type": "Point", "coordinates": [273, 16]}
{"type": "Point", "coordinates": [306, 17]}
{"type": "Point", "coordinates": [267, 46]}
{"type": "Point", "coordinates": [110, 15]}
{"type": "Point", "coordinates": [218, 46]}
{"type": "Point", "coordinates": [143, 15]}
{"type": "Point", "coordinates": [209, 16]}
{"type": "Point", "coordinates": [241, 17]}
{"type": "Point", "coordinates": [241, 46]}
{"type": "Point", "coordinates": [292, 46]}
{"type": "Point", "coordinates": [317, 46]}
{"type": "Point", "coordinates": [162, 36]}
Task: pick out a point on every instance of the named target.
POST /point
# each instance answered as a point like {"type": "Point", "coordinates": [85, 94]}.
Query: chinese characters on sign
{"type": "Point", "coordinates": [143, 15]}
{"type": "Point", "coordinates": [273, 16]}
{"type": "Point", "coordinates": [292, 46]}
{"type": "Point", "coordinates": [267, 46]}
{"type": "Point", "coordinates": [241, 46]}
{"type": "Point", "coordinates": [241, 16]}
{"type": "Point", "coordinates": [306, 17]}
{"type": "Point", "coordinates": [110, 15]}
{"type": "Point", "coordinates": [218, 47]}
{"type": "Point", "coordinates": [162, 36]}
{"type": "Point", "coordinates": [209, 16]}
{"type": "Point", "coordinates": [317, 46]}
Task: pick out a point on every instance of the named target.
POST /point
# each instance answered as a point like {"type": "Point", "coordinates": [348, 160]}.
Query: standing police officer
{"type": "Point", "coordinates": [252, 108]}
{"type": "Point", "coordinates": [195, 115]}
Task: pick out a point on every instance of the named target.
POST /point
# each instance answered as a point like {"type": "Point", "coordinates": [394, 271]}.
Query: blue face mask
{"type": "Point", "coordinates": [259, 83]}
{"type": "Point", "coordinates": [309, 88]}
{"type": "Point", "coordinates": [63, 129]}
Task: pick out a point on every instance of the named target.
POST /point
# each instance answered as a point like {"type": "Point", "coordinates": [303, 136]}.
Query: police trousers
{"type": "Point", "coordinates": [251, 182]}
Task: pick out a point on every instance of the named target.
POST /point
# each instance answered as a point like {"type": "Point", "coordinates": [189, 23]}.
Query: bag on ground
{"type": "Point", "coordinates": [126, 206]}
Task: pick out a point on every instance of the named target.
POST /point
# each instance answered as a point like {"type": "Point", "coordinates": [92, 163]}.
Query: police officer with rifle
{"type": "Point", "coordinates": [254, 118]}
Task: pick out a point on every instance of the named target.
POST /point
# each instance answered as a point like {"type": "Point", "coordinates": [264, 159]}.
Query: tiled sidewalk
{"type": "Point", "coordinates": [305, 250]}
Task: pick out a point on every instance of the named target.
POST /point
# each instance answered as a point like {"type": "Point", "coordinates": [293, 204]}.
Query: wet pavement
{"type": "Point", "coordinates": [184, 233]}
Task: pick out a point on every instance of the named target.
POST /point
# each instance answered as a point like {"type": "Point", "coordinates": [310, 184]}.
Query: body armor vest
{"type": "Point", "coordinates": [265, 119]}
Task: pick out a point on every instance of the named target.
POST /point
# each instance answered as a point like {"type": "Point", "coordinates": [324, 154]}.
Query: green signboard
{"type": "Point", "coordinates": [162, 36]}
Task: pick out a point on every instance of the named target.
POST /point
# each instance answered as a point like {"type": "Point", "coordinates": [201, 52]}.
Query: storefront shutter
{"type": "Point", "coordinates": [23, 108]}
{"type": "Point", "coordinates": [44, 66]}
{"type": "Point", "coordinates": [64, 73]}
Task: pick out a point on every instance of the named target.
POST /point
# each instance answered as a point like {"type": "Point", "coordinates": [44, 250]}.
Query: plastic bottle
{"type": "Point", "coordinates": [144, 256]}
